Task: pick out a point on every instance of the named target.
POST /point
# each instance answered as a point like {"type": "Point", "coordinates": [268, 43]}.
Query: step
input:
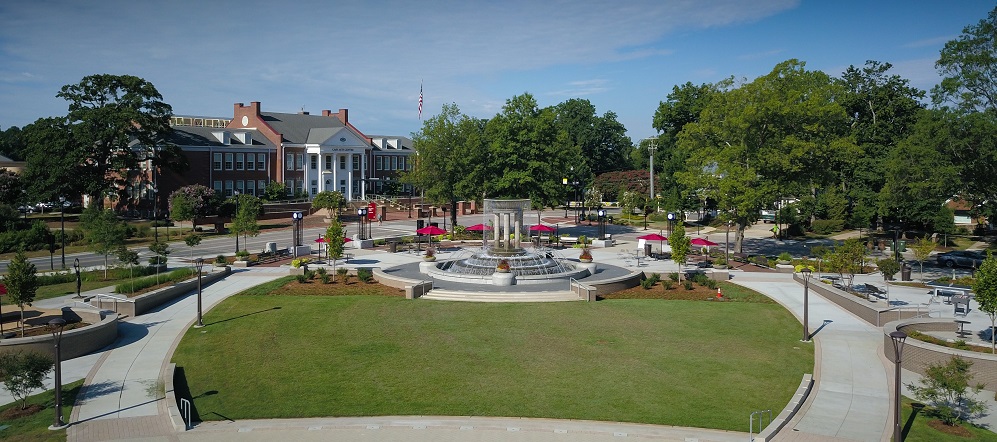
{"type": "Point", "coordinates": [482, 296]}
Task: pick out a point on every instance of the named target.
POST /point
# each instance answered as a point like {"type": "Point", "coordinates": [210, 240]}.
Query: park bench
{"type": "Point", "coordinates": [567, 241]}
{"type": "Point", "coordinates": [739, 257]}
{"type": "Point", "coordinates": [267, 257]}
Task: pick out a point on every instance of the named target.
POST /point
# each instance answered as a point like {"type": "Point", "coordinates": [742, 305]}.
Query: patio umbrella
{"type": "Point", "coordinates": [478, 228]}
{"type": "Point", "coordinates": [703, 243]}
{"type": "Point", "coordinates": [541, 228]}
{"type": "Point", "coordinates": [320, 239]}
{"type": "Point", "coordinates": [430, 230]}
{"type": "Point", "coordinates": [654, 237]}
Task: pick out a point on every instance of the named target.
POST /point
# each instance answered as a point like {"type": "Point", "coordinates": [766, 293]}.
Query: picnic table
{"type": "Point", "coordinates": [962, 331]}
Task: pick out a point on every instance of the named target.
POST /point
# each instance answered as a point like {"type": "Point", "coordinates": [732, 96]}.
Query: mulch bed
{"type": "Point", "coordinates": [956, 430]}
{"type": "Point", "coordinates": [677, 292]}
{"type": "Point", "coordinates": [16, 412]}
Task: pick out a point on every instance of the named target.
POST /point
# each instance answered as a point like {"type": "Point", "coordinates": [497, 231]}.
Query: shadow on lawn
{"type": "Point", "coordinates": [916, 408]}
{"type": "Point", "coordinates": [242, 316]}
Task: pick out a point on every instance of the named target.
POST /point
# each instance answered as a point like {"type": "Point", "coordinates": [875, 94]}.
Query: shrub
{"type": "Point", "coordinates": [177, 275]}
{"type": "Point", "coordinates": [709, 283]}
{"type": "Point", "coordinates": [647, 283]}
{"type": "Point", "coordinates": [342, 272]}
{"type": "Point", "coordinates": [365, 275]}
{"type": "Point", "coordinates": [325, 277]}
{"type": "Point", "coordinates": [827, 226]}
{"type": "Point", "coordinates": [157, 260]}
{"type": "Point", "coordinates": [582, 239]}
{"type": "Point", "coordinates": [309, 274]}
{"type": "Point", "coordinates": [220, 260]}
{"type": "Point", "coordinates": [301, 278]}
{"type": "Point", "coordinates": [668, 284]}
{"type": "Point", "coordinates": [242, 255]}
{"type": "Point", "coordinates": [673, 276]}
{"type": "Point", "coordinates": [761, 260]}
{"type": "Point", "coordinates": [785, 256]}
{"type": "Point", "coordinates": [296, 263]}
{"type": "Point", "coordinates": [321, 271]}
{"type": "Point", "coordinates": [380, 242]}
{"type": "Point", "coordinates": [687, 284]}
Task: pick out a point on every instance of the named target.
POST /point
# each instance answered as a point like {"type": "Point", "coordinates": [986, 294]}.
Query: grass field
{"type": "Point", "coordinates": [34, 428]}
{"type": "Point", "coordinates": [918, 427]}
{"type": "Point", "coordinates": [686, 363]}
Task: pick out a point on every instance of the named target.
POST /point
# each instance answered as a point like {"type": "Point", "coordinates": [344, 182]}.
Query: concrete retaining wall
{"type": "Point", "coordinates": [918, 355]}
{"type": "Point", "coordinates": [75, 343]}
{"type": "Point", "coordinates": [148, 301]}
{"type": "Point", "coordinates": [872, 313]}
{"type": "Point", "coordinates": [788, 413]}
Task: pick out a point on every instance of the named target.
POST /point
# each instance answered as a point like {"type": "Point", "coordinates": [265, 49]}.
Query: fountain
{"type": "Point", "coordinates": [505, 261]}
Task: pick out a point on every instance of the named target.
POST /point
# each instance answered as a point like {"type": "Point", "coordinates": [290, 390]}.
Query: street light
{"type": "Point", "coordinates": [361, 214]}
{"type": "Point", "coordinates": [602, 223]}
{"type": "Point", "coordinates": [898, 338]}
{"type": "Point", "coordinates": [79, 282]}
{"type": "Point", "coordinates": [671, 218]}
{"type": "Point", "coordinates": [155, 212]}
{"type": "Point", "coordinates": [62, 219]}
{"type": "Point", "coordinates": [806, 304]}
{"type": "Point", "coordinates": [199, 264]}
{"type": "Point", "coordinates": [56, 325]}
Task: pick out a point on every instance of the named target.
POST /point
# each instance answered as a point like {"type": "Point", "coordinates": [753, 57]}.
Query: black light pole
{"type": "Point", "coordinates": [602, 223]}
{"type": "Point", "coordinates": [806, 304]}
{"type": "Point", "coordinates": [671, 218]}
{"type": "Point", "coordinates": [56, 325]}
{"type": "Point", "coordinates": [79, 281]}
{"type": "Point", "coordinates": [199, 264]}
{"type": "Point", "coordinates": [155, 212]}
{"type": "Point", "coordinates": [411, 194]}
{"type": "Point", "coordinates": [62, 219]}
{"type": "Point", "coordinates": [727, 245]}
{"type": "Point", "coordinates": [236, 194]}
{"type": "Point", "coordinates": [361, 214]}
{"type": "Point", "coordinates": [898, 338]}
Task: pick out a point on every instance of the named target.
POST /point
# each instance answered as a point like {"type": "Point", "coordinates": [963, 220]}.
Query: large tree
{"type": "Point", "coordinates": [52, 161]}
{"type": "Point", "coordinates": [779, 135]}
{"type": "Point", "coordinates": [603, 141]}
{"type": "Point", "coordinates": [969, 80]}
{"type": "Point", "coordinates": [115, 121]}
{"type": "Point", "coordinates": [682, 106]}
{"type": "Point", "coordinates": [452, 158]}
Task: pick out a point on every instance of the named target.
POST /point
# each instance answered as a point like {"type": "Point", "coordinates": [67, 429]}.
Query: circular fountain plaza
{"type": "Point", "coordinates": [502, 260]}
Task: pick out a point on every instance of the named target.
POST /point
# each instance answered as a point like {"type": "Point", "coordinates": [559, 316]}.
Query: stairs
{"type": "Point", "coordinates": [482, 296]}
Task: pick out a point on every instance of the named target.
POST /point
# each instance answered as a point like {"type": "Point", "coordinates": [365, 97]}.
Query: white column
{"type": "Point", "coordinates": [349, 179]}
{"type": "Point", "coordinates": [335, 172]}
{"type": "Point", "coordinates": [496, 226]}
{"type": "Point", "coordinates": [363, 175]}
{"type": "Point", "coordinates": [519, 241]}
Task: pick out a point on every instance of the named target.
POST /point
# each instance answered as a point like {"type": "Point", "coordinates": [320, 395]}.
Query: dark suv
{"type": "Point", "coordinates": [961, 258]}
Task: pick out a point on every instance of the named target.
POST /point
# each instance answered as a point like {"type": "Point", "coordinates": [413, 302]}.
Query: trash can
{"type": "Point", "coordinates": [902, 245]}
{"type": "Point", "coordinates": [392, 247]}
{"type": "Point", "coordinates": [647, 249]}
{"type": "Point", "coordinates": [905, 272]}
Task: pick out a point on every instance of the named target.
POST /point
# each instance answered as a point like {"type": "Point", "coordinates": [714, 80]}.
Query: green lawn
{"type": "Point", "coordinates": [916, 429]}
{"type": "Point", "coordinates": [686, 363]}
{"type": "Point", "coordinates": [35, 427]}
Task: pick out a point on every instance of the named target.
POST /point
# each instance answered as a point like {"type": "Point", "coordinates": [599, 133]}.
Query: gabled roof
{"type": "Point", "coordinates": [4, 159]}
{"type": "Point", "coordinates": [295, 127]}
{"type": "Point", "coordinates": [204, 136]}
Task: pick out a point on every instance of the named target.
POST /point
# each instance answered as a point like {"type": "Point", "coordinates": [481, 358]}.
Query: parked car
{"type": "Point", "coordinates": [961, 258]}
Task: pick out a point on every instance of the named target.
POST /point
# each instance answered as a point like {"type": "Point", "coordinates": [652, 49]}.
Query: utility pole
{"type": "Point", "coordinates": [651, 149]}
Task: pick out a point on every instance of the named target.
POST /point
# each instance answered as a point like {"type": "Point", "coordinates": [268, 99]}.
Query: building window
{"type": "Point", "coordinates": [228, 188]}
{"type": "Point", "coordinates": [228, 161]}
{"type": "Point", "coordinates": [299, 186]}
{"type": "Point", "coordinates": [314, 161]}
{"type": "Point", "coordinates": [289, 160]}
{"type": "Point", "coordinates": [262, 185]}
{"type": "Point", "coordinates": [356, 187]}
{"type": "Point", "coordinates": [240, 161]}
{"type": "Point", "coordinates": [377, 162]}
{"type": "Point", "coordinates": [218, 187]}
{"type": "Point", "coordinates": [217, 161]}
{"type": "Point", "coordinates": [251, 186]}
{"type": "Point", "coordinates": [289, 187]}
{"type": "Point", "coordinates": [250, 161]}
{"type": "Point", "coordinates": [394, 163]}
{"type": "Point", "coordinates": [261, 161]}
{"type": "Point", "coordinates": [328, 162]}
{"type": "Point", "coordinates": [356, 162]}
{"type": "Point", "coordinates": [342, 162]}
{"type": "Point", "coordinates": [301, 161]}
{"type": "Point", "coordinates": [240, 186]}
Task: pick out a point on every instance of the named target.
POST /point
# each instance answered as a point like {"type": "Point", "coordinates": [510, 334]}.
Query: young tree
{"type": "Point", "coordinates": [680, 246]}
{"type": "Point", "coordinates": [161, 250]}
{"type": "Point", "coordinates": [23, 372]}
{"type": "Point", "coordinates": [128, 257]}
{"type": "Point", "coordinates": [103, 231]}
{"type": "Point", "coordinates": [944, 386]}
{"type": "Point", "coordinates": [192, 241]}
{"type": "Point", "coordinates": [329, 199]}
{"type": "Point", "coordinates": [250, 208]}
{"type": "Point", "coordinates": [889, 267]}
{"type": "Point", "coordinates": [334, 240]}
{"type": "Point", "coordinates": [847, 259]}
{"type": "Point", "coordinates": [922, 248]}
{"type": "Point", "coordinates": [21, 282]}
{"type": "Point", "coordinates": [985, 288]}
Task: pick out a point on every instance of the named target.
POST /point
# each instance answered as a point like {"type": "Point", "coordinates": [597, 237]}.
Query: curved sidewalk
{"type": "Point", "coordinates": [851, 396]}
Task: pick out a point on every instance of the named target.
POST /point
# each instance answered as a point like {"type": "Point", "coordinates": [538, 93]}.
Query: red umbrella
{"type": "Point", "coordinates": [346, 240]}
{"type": "Point", "coordinates": [654, 237]}
{"type": "Point", "coordinates": [703, 242]}
{"type": "Point", "coordinates": [541, 228]}
{"type": "Point", "coordinates": [320, 239]}
{"type": "Point", "coordinates": [431, 230]}
{"type": "Point", "coordinates": [478, 228]}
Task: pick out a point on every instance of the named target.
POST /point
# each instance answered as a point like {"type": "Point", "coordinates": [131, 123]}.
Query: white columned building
{"type": "Point", "coordinates": [335, 162]}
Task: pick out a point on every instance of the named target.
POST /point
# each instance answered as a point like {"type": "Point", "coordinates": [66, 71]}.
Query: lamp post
{"type": "Point", "coordinates": [62, 220]}
{"type": "Point", "coordinates": [411, 194]}
{"type": "Point", "coordinates": [651, 149]}
{"type": "Point", "coordinates": [155, 212]}
{"type": "Point", "coordinates": [602, 223]}
{"type": "Point", "coordinates": [671, 218]}
{"type": "Point", "coordinates": [79, 281]}
{"type": "Point", "coordinates": [199, 264]}
{"type": "Point", "coordinates": [56, 325]}
{"type": "Point", "coordinates": [236, 195]}
{"type": "Point", "coordinates": [296, 231]}
{"type": "Point", "coordinates": [361, 214]}
{"type": "Point", "coordinates": [727, 245]}
{"type": "Point", "coordinates": [898, 338]}
{"type": "Point", "coordinates": [806, 303]}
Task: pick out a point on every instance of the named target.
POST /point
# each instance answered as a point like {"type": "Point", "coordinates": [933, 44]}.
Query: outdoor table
{"type": "Point", "coordinates": [960, 300]}
{"type": "Point", "coordinates": [962, 324]}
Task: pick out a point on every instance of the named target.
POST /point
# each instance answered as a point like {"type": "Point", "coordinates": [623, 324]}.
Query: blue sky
{"type": "Point", "coordinates": [370, 56]}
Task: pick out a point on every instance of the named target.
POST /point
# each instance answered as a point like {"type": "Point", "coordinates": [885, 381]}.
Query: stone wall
{"type": "Point", "coordinates": [102, 332]}
{"type": "Point", "coordinates": [918, 355]}
{"type": "Point", "coordinates": [146, 302]}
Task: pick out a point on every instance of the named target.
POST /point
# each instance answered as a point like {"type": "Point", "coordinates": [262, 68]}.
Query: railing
{"type": "Point", "coordinates": [185, 413]}
{"type": "Point", "coordinates": [761, 424]}
{"type": "Point", "coordinates": [572, 283]}
{"type": "Point", "coordinates": [899, 315]}
{"type": "Point", "coordinates": [114, 299]}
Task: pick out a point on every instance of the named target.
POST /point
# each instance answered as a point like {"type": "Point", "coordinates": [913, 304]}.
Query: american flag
{"type": "Point", "coordinates": [420, 100]}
